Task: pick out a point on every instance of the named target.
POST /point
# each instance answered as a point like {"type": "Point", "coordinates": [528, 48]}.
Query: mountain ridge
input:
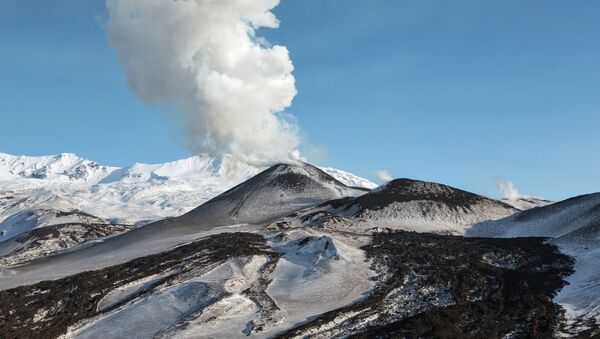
{"type": "Point", "coordinates": [294, 249]}
{"type": "Point", "coordinates": [414, 205]}
{"type": "Point", "coordinates": [137, 194]}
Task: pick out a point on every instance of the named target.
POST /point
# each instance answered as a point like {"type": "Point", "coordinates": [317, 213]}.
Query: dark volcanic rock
{"type": "Point", "coordinates": [434, 286]}
{"type": "Point", "coordinates": [54, 239]}
{"type": "Point", "coordinates": [48, 308]}
{"type": "Point", "coordinates": [405, 190]}
{"type": "Point", "coordinates": [419, 206]}
{"type": "Point", "coordinates": [275, 192]}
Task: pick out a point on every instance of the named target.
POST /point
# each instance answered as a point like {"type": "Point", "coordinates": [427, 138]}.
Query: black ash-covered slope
{"type": "Point", "coordinates": [28, 219]}
{"type": "Point", "coordinates": [574, 226]}
{"type": "Point", "coordinates": [35, 233]}
{"type": "Point", "coordinates": [426, 285]}
{"type": "Point", "coordinates": [406, 190]}
{"type": "Point", "coordinates": [275, 192]}
{"type": "Point", "coordinates": [421, 206]}
{"type": "Point", "coordinates": [55, 239]}
{"type": "Point", "coordinates": [439, 286]}
{"type": "Point", "coordinates": [46, 309]}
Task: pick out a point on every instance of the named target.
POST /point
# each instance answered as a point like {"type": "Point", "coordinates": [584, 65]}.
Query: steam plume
{"type": "Point", "coordinates": [229, 86]}
{"type": "Point", "coordinates": [508, 190]}
{"type": "Point", "coordinates": [383, 175]}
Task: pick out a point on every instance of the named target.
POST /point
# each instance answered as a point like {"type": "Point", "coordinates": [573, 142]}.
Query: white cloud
{"type": "Point", "coordinates": [383, 175]}
{"type": "Point", "coordinates": [229, 86]}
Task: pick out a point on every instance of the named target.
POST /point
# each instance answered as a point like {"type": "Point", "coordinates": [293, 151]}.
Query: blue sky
{"type": "Point", "coordinates": [459, 92]}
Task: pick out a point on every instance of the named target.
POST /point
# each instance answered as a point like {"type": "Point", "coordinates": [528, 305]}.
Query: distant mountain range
{"type": "Point", "coordinates": [132, 195]}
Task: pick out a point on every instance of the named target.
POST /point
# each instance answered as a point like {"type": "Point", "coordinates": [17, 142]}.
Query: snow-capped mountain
{"type": "Point", "coordinates": [137, 194]}
{"type": "Point", "coordinates": [290, 252]}
{"type": "Point", "coordinates": [275, 192]}
{"type": "Point", "coordinates": [61, 167]}
{"type": "Point", "coordinates": [256, 262]}
{"type": "Point", "coordinates": [349, 179]}
{"type": "Point", "coordinates": [83, 201]}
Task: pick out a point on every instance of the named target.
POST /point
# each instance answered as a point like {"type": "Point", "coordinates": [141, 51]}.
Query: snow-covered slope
{"type": "Point", "coordinates": [29, 219]}
{"type": "Point", "coordinates": [82, 201]}
{"type": "Point", "coordinates": [525, 203]}
{"type": "Point", "coordinates": [140, 193]}
{"type": "Point", "coordinates": [54, 239]}
{"type": "Point", "coordinates": [574, 226]}
{"type": "Point", "coordinates": [349, 179]}
{"type": "Point", "coordinates": [553, 220]}
{"type": "Point", "coordinates": [61, 167]}
{"type": "Point", "coordinates": [302, 283]}
{"type": "Point", "coordinates": [293, 249]}
{"type": "Point", "coordinates": [273, 193]}
{"type": "Point", "coordinates": [137, 194]}
{"type": "Point", "coordinates": [39, 232]}
{"type": "Point", "coordinates": [419, 206]}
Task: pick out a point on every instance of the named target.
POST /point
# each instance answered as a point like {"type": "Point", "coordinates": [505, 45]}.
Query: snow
{"type": "Point", "coordinates": [441, 218]}
{"type": "Point", "coordinates": [63, 166]}
{"type": "Point", "coordinates": [349, 179]}
{"type": "Point", "coordinates": [318, 273]}
{"type": "Point", "coordinates": [137, 194]}
{"type": "Point", "coordinates": [217, 291]}
{"type": "Point", "coordinates": [55, 239]}
{"type": "Point", "coordinates": [227, 318]}
{"type": "Point", "coordinates": [554, 220]}
{"type": "Point", "coordinates": [123, 293]}
{"type": "Point", "coordinates": [117, 250]}
{"type": "Point", "coordinates": [580, 298]}
{"type": "Point", "coordinates": [50, 190]}
{"type": "Point", "coordinates": [412, 205]}
{"type": "Point", "coordinates": [28, 219]}
{"type": "Point", "coordinates": [321, 267]}
{"type": "Point", "coordinates": [149, 316]}
{"type": "Point", "coordinates": [416, 295]}
{"type": "Point", "coordinates": [275, 192]}
{"type": "Point", "coordinates": [574, 226]}
{"type": "Point", "coordinates": [236, 275]}
{"type": "Point", "coordinates": [525, 203]}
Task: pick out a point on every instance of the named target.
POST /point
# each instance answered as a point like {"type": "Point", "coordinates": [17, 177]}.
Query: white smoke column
{"type": "Point", "coordinates": [230, 87]}
{"type": "Point", "coordinates": [508, 190]}
{"type": "Point", "coordinates": [383, 175]}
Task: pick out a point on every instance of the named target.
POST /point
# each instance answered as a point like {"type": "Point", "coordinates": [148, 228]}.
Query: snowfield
{"type": "Point", "coordinates": [138, 194]}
